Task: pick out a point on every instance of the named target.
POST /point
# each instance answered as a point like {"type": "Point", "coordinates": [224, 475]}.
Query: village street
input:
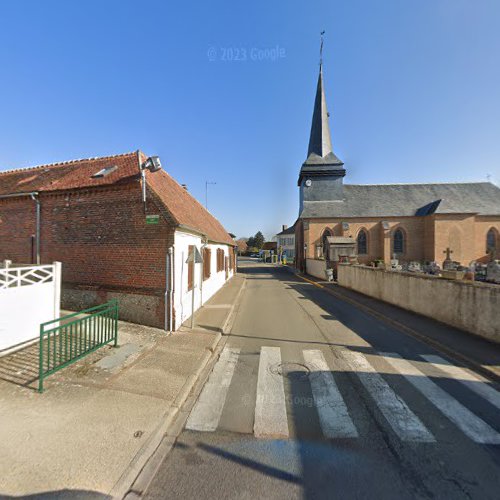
{"type": "Point", "coordinates": [314, 397]}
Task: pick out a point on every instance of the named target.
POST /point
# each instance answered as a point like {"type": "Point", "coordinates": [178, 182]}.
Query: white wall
{"type": "Point", "coordinates": [316, 268]}
{"type": "Point", "coordinates": [28, 296]}
{"type": "Point", "coordinates": [203, 289]}
{"type": "Point", "coordinates": [474, 307]}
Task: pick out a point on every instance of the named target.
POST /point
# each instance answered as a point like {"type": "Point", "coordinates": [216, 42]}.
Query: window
{"type": "Point", "coordinates": [362, 243]}
{"type": "Point", "coordinates": [190, 267]}
{"type": "Point", "coordinates": [104, 172]}
{"type": "Point", "coordinates": [325, 243]}
{"type": "Point", "coordinates": [491, 240]}
{"type": "Point", "coordinates": [399, 242]}
{"type": "Point", "coordinates": [207, 263]}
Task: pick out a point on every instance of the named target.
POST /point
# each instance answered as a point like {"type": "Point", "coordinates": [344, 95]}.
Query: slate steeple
{"type": "Point", "coordinates": [320, 177]}
{"type": "Point", "coordinates": [320, 142]}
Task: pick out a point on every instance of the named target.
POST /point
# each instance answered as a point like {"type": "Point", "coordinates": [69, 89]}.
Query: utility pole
{"type": "Point", "coordinates": [206, 192]}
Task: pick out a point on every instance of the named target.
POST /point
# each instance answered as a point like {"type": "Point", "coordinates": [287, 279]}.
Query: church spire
{"type": "Point", "coordinates": [320, 142]}
{"type": "Point", "coordinates": [320, 177]}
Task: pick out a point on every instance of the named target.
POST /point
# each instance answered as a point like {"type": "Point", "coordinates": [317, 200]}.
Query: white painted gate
{"type": "Point", "coordinates": [29, 295]}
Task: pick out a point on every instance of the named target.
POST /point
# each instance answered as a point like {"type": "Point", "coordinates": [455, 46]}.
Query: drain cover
{"type": "Point", "coordinates": [290, 370]}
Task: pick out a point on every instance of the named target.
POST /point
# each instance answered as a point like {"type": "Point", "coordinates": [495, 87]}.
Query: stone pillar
{"type": "Point", "coordinates": [385, 235]}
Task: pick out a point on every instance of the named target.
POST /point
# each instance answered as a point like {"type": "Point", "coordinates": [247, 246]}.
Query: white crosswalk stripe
{"type": "Point", "coordinates": [478, 430]}
{"type": "Point", "coordinates": [270, 409]}
{"type": "Point", "coordinates": [473, 382]}
{"type": "Point", "coordinates": [271, 419]}
{"type": "Point", "coordinates": [333, 415]}
{"type": "Point", "coordinates": [208, 409]}
{"type": "Point", "coordinates": [402, 420]}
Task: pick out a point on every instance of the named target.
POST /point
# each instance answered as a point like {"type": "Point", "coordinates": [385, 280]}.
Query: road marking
{"type": "Point", "coordinates": [473, 382]}
{"type": "Point", "coordinates": [333, 415]}
{"type": "Point", "coordinates": [208, 409]}
{"type": "Point", "coordinates": [478, 430]}
{"type": "Point", "coordinates": [402, 420]}
{"type": "Point", "coordinates": [492, 373]}
{"type": "Point", "coordinates": [270, 409]}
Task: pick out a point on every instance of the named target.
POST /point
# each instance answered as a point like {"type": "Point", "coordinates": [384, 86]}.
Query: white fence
{"type": "Point", "coordinates": [29, 295]}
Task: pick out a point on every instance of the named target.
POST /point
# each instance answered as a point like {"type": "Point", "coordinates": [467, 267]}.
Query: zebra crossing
{"type": "Point", "coordinates": [336, 419]}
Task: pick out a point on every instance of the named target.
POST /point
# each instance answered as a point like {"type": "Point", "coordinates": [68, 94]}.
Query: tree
{"type": "Point", "coordinates": [259, 240]}
{"type": "Point", "coordinates": [251, 242]}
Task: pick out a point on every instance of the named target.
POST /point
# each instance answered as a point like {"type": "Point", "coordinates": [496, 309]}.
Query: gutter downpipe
{"type": "Point", "coordinates": [33, 195]}
{"type": "Point", "coordinates": [170, 290]}
{"type": "Point", "coordinates": [37, 237]}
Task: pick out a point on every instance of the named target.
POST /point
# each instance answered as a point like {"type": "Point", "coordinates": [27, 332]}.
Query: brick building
{"type": "Point", "coordinates": [412, 222]}
{"type": "Point", "coordinates": [122, 228]}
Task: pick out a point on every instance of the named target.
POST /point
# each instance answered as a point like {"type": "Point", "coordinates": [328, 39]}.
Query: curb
{"type": "Point", "coordinates": [491, 375]}
{"type": "Point", "coordinates": [144, 466]}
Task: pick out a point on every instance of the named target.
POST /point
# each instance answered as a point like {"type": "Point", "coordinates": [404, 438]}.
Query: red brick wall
{"type": "Point", "coordinates": [100, 236]}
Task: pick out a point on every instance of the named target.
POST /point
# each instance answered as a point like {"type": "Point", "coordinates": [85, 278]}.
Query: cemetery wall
{"type": "Point", "coordinates": [474, 307]}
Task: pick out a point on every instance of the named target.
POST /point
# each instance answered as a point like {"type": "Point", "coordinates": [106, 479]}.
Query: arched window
{"type": "Point", "coordinates": [362, 243]}
{"type": "Point", "coordinates": [325, 242]}
{"type": "Point", "coordinates": [491, 240]}
{"type": "Point", "coordinates": [399, 242]}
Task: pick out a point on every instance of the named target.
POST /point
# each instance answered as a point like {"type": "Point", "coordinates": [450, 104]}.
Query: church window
{"type": "Point", "coordinates": [399, 242]}
{"type": "Point", "coordinates": [325, 243]}
{"type": "Point", "coordinates": [491, 240]}
{"type": "Point", "coordinates": [362, 243]}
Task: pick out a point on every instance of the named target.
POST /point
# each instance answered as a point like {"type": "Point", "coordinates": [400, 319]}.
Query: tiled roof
{"type": "Point", "coordinates": [185, 209]}
{"type": "Point", "coordinates": [75, 174]}
{"type": "Point", "coordinates": [270, 245]}
{"type": "Point", "coordinates": [396, 200]}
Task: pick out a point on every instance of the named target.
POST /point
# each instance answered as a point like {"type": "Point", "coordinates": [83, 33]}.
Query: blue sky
{"type": "Point", "coordinates": [413, 88]}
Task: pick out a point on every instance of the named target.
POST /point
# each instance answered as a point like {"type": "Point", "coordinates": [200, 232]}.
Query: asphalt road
{"type": "Point", "coordinates": [313, 398]}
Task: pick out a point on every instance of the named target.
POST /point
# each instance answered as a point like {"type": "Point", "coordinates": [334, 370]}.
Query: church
{"type": "Point", "coordinates": [408, 222]}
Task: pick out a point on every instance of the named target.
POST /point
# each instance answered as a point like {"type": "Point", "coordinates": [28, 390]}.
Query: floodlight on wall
{"type": "Point", "coordinates": [385, 225]}
{"type": "Point", "coordinates": [345, 226]}
{"type": "Point", "coordinates": [152, 164]}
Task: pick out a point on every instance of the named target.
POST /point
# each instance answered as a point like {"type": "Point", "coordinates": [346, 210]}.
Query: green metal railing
{"type": "Point", "coordinates": [69, 338]}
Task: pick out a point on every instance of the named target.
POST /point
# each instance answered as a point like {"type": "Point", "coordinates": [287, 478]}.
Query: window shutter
{"type": "Point", "coordinates": [207, 254]}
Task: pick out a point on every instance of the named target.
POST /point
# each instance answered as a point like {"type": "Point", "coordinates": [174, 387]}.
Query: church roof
{"type": "Point", "coordinates": [399, 200]}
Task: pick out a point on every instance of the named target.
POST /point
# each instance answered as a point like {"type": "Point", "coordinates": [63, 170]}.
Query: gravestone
{"type": "Point", "coordinates": [414, 267]}
{"type": "Point", "coordinates": [493, 268]}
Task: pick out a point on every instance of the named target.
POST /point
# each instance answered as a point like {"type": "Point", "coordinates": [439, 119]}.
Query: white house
{"type": "Point", "coordinates": [286, 243]}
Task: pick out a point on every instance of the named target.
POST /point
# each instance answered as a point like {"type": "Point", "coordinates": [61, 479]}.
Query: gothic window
{"type": "Point", "coordinates": [491, 240]}
{"type": "Point", "coordinates": [362, 243]}
{"type": "Point", "coordinates": [325, 243]}
{"type": "Point", "coordinates": [399, 242]}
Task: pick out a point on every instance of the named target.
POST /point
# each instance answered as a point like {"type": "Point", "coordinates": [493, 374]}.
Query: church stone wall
{"type": "Point", "coordinates": [379, 240]}
{"type": "Point", "coordinates": [426, 238]}
{"type": "Point", "coordinates": [469, 306]}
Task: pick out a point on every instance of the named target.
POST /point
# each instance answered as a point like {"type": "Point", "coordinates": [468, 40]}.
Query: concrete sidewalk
{"type": "Point", "coordinates": [100, 419]}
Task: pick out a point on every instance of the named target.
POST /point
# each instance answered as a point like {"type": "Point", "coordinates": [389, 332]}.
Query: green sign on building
{"type": "Point", "coordinates": [152, 219]}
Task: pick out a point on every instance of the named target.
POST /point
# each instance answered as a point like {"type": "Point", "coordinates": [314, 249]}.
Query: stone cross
{"type": "Point", "coordinates": [448, 253]}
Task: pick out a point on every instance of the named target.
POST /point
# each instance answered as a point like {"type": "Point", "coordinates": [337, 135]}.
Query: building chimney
{"type": "Point", "coordinates": [285, 227]}
{"type": "Point", "coordinates": [185, 186]}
